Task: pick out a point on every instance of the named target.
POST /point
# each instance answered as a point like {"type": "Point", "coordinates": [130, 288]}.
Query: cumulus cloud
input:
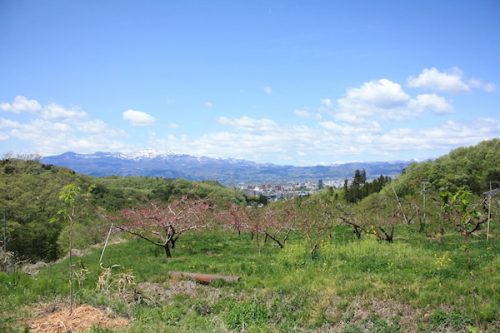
{"type": "Point", "coordinates": [382, 93]}
{"type": "Point", "coordinates": [55, 111]}
{"type": "Point", "coordinates": [21, 104]}
{"type": "Point", "coordinates": [268, 90]}
{"type": "Point", "coordinates": [448, 81]}
{"type": "Point", "coordinates": [49, 111]}
{"type": "Point", "coordinates": [53, 137]}
{"type": "Point", "coordinates": [98, 127]}
{"type": "Point", "coordinates": [432, 78]}
{"type": "Point", "coordinates": [433, 102]}
{"type": "Point", "coordinates": [330, 138]}
{"type": "Point", "coordinates": [53, 128]}
{"type": "Point", "coordinates": [446, 136]}
{"type": "Point", "coordinates": [138, 118]}
{"type": "Point", "coordinates": [385, 99]}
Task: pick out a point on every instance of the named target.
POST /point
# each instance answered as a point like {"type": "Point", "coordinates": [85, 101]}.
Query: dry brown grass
{"type": "Point", "coordinates": [55, 318]}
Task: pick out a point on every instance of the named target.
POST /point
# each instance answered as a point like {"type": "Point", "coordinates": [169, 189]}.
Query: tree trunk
{"type": "Point", "coordinates": [167, 250]}
{"type": "Point", "coordinates": [422, 226]}
{"type": "Point", "coordinates": [357, 232]}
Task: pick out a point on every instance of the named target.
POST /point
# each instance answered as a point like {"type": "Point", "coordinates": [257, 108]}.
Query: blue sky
{"type": "Point", "coordinates": [288, 82]}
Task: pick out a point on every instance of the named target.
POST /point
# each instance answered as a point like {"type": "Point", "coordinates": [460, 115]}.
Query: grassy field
{"type": "Point", "coordinates": [416, 284]}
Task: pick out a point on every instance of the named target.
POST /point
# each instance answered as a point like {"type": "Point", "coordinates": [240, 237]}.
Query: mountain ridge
{"type": "Point", "coordinates": [226, 171]}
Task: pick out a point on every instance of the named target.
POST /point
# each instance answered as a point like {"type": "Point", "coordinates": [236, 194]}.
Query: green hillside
{"type": "Point", "coordinates": [29, 194]}
{"type": "Point", "coordinates": [472, 167]}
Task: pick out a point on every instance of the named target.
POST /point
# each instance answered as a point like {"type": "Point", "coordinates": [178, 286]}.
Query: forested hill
{"type": "Point", "coordinates": [471, 167]}
{"type": "Point", "coordinates": [29, 195]}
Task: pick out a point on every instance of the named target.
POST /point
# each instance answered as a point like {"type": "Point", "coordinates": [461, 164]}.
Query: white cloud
{"type": "Point", "coordinates": [346, 129]}
{"type": "Point", "coordinates": [173, 125]}
{"type": "Point", "coordinates": [443, 137]}
{"type": "Point", "coordinates": [329, 139]}
{"type": "Point", "coordinates": [451, 81]}
{"type": "Point", "coordinates": [488, 86]}
{"type": "Point", "coordinates": [21, 104]}
{"type": "Point", "coordinates": [268, 90]}
{"type": "Point", "coordinates": [54, 137]}
{"type": "Point", "coordinates": [55, 111]}
{"type": "Point", "coordinates": [384, 99]}
{"type": "Point", "coordinates": [382, 93]}
{"type": "Point", "coordinates": [49, 111]}
{"type": "Point", "coordinates": [55, 129]}
{"type": "Point", "coordinates": [7, 123]}
{"type": "Point", "coordinates": [249, 124]}
{"type": "Point", "coordinates": [138, 118]}
{"type": "Point", "coordinates": [98, 127]}
{"type": "Point", "coordinates": [432, 78]}
{"type": "Point", "coordinates": [432, 102]}
{"type": "Point", "coordinates": [209, 104]}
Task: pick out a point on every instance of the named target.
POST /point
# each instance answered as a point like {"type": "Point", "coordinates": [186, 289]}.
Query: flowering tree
{"type": "Point", "coordinates": [274, 222]}
{"type": "Point", "coordinates": [163, 225]}
{"type": "Point", "coordinates": [278, 222]}
{"type": "Point", "coordinates": [237, 218]}
{"type": "Point", "coordinates": [316, 221]}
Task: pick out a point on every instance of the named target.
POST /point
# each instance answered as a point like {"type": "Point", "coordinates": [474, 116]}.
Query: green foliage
{"type": "Point", "coordinates": [29, 191]}
{"type": "Point", "coordinates": [360, 188]}
{"type": "Point", "coordinates": [161, 189]}
{"type": "Point", "coordinates": [471, 167]}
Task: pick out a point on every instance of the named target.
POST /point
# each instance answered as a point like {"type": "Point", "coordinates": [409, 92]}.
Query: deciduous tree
{"type": "Point", "coordinates": [162, 225]}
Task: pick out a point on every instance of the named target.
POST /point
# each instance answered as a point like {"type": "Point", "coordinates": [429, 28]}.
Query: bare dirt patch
{"type": "Point", "coordinates": [55, 318]}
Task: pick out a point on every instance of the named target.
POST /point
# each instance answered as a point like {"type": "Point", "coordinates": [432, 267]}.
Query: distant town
{"type": "Point", "coordinates": [283, 191]}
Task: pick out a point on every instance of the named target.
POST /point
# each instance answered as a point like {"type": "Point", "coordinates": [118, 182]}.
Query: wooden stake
{"type": "Point", "coordinates": [489, 215]}
{"type": "Point", "coordinates": [399, 204]}
{"type": "Point", "coordinates": [105, 243]}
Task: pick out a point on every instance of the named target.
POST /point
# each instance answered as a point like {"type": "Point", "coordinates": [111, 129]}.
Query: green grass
{"type": "Point", "coordinates": [352, 285]}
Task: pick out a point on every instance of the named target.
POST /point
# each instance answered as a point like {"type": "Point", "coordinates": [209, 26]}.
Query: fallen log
{"type": "Point", "coordinates": [203, 278]}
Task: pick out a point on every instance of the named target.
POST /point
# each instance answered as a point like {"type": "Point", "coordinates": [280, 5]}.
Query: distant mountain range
{"type": "Point", "coordinates": [226, 171]}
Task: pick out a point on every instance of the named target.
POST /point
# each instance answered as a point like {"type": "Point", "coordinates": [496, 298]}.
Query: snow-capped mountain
{"type": "Point", "coordinates": [226, 171]}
